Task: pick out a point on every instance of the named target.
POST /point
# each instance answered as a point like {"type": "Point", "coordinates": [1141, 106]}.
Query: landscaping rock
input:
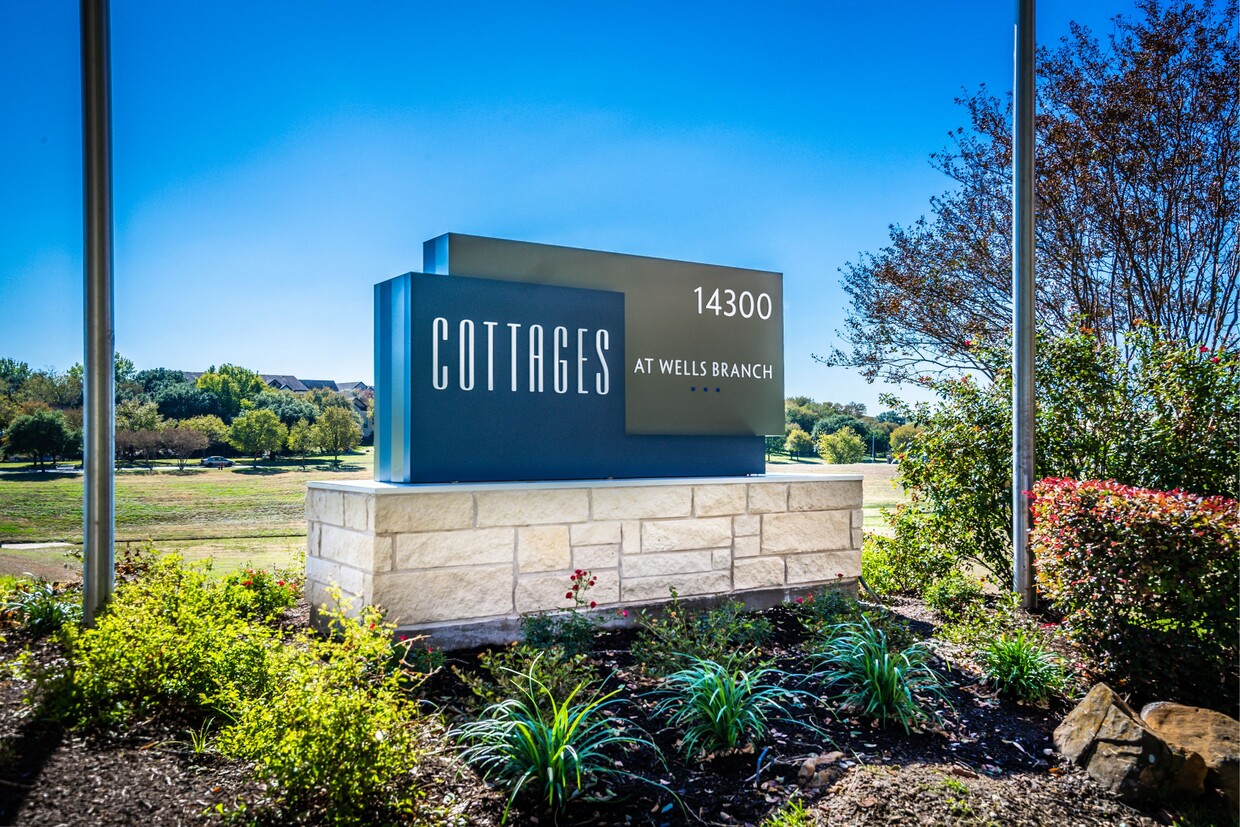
{"type": "Point", "coordinates": [1212, 735]}
{"type": "Point", "coordinates": [1103, 735]}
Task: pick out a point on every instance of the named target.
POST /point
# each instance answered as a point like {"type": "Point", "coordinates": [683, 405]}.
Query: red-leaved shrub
{"type": "Point", "coordinates": [1148, 582]}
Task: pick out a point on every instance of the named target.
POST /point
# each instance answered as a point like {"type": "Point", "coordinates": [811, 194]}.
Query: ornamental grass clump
{"type": "Point", "coordinates": [40, 609]}
{"type": "Point", "coordinates": [1018, 666]}
{"type": "Point", "coordinates": [876, 682]}
{"type": "Point", "coordinates": [723, 707]}
{"type": "Point", "coordinates": [556, 748]}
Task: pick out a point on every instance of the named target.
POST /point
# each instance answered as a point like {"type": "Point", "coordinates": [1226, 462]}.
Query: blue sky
{"type": "Point", "coordinates": [273, 160]}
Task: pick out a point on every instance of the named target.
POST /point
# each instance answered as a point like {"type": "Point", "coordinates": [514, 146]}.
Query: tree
{"type": "Point", "coordinates": [182, 443]}
{"type": "Point", "coordinates": [186, 400]}
{"type": "Point", "coordinates": [902, 438]}
{"type": "Point", "coordinates": [288, 406]}
{"type": "Point", "coordinates": [57, 390]}
{"type": "Point", "coordinates": [154, 380]}
{"type": "Point", "coordinates": [13, 373]}
{"type": "Point", "coordinates": [798, 443]}
{"type": "Point", "coordinates": [212, 427]}
{"type": "Point", "coordinates": [773, 445]}
{"type": "Point", "coordinates": [834, 422]}
{"type": "Point", "coordinates": [257, 432]}
{"type": "Point", "coordinates": [337, 432]}
{"type": "Point", "coordinates": [138, 443]}
{"type": "Point", "coordinates": [1138, 199]}
{"type": "Point", "coordinates": [301, 440]}
{"type": "Point", "coordinates": [890, 416]}
{"type": "Point", "coordinates": [135, 415]}
{"type": "Point", "coordinates": [231, 385]}
{"type": "Point", "coordinates": [843, 447]}
{"type": "Point", "coordinates": [40, 434]}
{"type": "Point", "coordinates": [1168, 417]}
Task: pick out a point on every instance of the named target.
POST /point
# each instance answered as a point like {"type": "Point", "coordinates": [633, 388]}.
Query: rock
{"type": "Point", "coordinates": [1103, 735]}
{"type": "Point", "coordinates": [811, 777]}
{"type": "Point", "coordinates": [1212, 735]}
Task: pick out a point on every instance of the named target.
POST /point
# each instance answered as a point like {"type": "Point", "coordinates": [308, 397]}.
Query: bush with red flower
{"type": "Point", "coordinates": [1148, 582]}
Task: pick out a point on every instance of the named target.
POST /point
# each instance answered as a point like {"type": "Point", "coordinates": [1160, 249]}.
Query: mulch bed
{"type": "Point", "coordinates": [990, 764]}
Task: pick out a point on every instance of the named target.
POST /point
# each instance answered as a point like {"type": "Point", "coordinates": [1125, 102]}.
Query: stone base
{"type": "Point", "coordinates": [461, 563]}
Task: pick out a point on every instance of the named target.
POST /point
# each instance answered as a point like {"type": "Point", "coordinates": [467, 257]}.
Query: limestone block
{"type": "Point", "coordinates": [545, 592]}
{"type": "Point", "coordinates": [823, 567]}
{"type": "Point", "coordinates": [677, 562]}
{"type": "Point", "coordinates": [312, 539]}
{"type": "Point", "coordinates": [593, 558]}
{"type": "Point", "coordinates": [353, 548]}
{"type": "Point", "coordinates": [858, 518]}
{"type": "Point", "coordinates": [595, 534]}
{"type": "Point", "coordinates": [765, 498]}
{"type": "Point", "coordinates": [359, 512]}
{"type": "Point", "coordinates": [397, 513]}
{"type": "Point", "coordinates": [319, 596]}
{"type": "Point", "coordinates": [746, 525]}
{"type": "Point", "coordinates": [329, 573]}
{"type": "Point", "coordinates": [631, 537]}
{"type": "Point", "coordinates": [640, 589]}
{"type": "Point", "coordinates": [718, 500]}
{"type": "Point", "coordinates": [746, 546]}
{"type": "Point", "coordinates": [628, 503]}
{"type": "Point", "coordinates": [543, 548]}
{"type": "Point", "coordinates": [757, 573]}
{"type": "Point", "coordinates": [325, 506]}
{"type": "Point", "coordinates": [431, 595]}
{"type": "Point", "coordinates": [672, 535]}
{"type": "Point", "coordinates": [805, 531]}
{"type": "Point", "coordinates": [533, 507]}
{"type": "Point", "coordinates": [471, 547]}
{"type": "Point", "coordinates": [858, 538]}
{"type": "Point", "coordinates": [827, 495]}
{"type": "Point", "coordinates": [721, 558]}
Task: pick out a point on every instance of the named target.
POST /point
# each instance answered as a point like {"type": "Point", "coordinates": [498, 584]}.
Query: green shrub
{"type": "Point", "coordinates": [167, 644]}
{"type": "Point", "coordinates": [722, 707]}
{"type": "Point", "coordinates": [39, 609]}
{"type": "Point", "coordinates": [519, 668]}
{"type": "Point", "coordinates": [1018, 666]}
{"type": "Point", "coordinates": [678, 635]}
{"type": "Point", "coordinates": [843, 447]}
{"type": "Point", "coordinates": [976, 624]}
{"type": "Point", "coordinates": [877, 682]}
{"type": "Point", "coordinates": [909, 561]}
{"type": "Point", "coordinates": [558, 747]}
{"type": "Point", "coordinates": [1148, 581]}
{"type": "Point", "coordinates": [333, 732]}
{"type": "Point", "coordinates": [1156, 413]}
{"type": "Point", "coordinates": [260, 594]}
{"type": "Point", "coordinates": [953, 595]}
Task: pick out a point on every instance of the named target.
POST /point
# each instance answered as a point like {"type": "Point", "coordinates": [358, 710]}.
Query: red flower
{"type": "Point", "coordinates": [800, 599]}
{"type": "Point", "coordinates": [968, 343]}
{"type": "Point", "coordinates": [1204, 349]}
{"type": "Point", "coordinates": [568, 596]}
{"type": "Point", "coordinates": [1214, 360]}
{"type": "Point", "coordinates": [592, 604]}
{"type": "Point", "coordinates": [624, 612]}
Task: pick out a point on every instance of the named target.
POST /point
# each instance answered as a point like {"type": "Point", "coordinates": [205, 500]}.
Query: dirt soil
{"type": "Point", "coordinates": [990, 764]}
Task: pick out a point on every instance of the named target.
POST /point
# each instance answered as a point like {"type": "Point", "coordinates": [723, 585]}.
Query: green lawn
{"type": "Point", "coordinates": [168, 504]}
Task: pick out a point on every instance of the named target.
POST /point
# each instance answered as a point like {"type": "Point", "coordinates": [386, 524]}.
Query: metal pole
{"type": "Point", "coordinates": [1022, 302]}
{"type": "Point", "coordinates": [98, 438]}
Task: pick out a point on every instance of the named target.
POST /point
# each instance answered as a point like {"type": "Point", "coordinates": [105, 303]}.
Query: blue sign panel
{"type": "Point", "coordinates": [485, 380]}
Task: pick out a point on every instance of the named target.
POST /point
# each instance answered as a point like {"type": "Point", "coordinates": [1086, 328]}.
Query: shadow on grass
{"type": "Point", "coordinates": [39, 476]}
{"type": "Point", "coordinates": [259, 471]}
{"type": "Point", "coordinates": [343, 466]}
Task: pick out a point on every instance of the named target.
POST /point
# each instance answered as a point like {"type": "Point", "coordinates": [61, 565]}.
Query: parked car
{"type": "Point", "coordinates": [216, 462]}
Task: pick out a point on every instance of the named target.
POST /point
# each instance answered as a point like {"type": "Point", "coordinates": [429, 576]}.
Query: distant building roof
{"type": "Point", "coordinates": [284, 382]}
{"type": "Point", "coordinates": [313, 384]}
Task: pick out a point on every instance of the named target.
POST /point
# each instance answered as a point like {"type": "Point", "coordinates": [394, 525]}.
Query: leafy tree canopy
{"type": "Point", "coordinates": [1138, 198]}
